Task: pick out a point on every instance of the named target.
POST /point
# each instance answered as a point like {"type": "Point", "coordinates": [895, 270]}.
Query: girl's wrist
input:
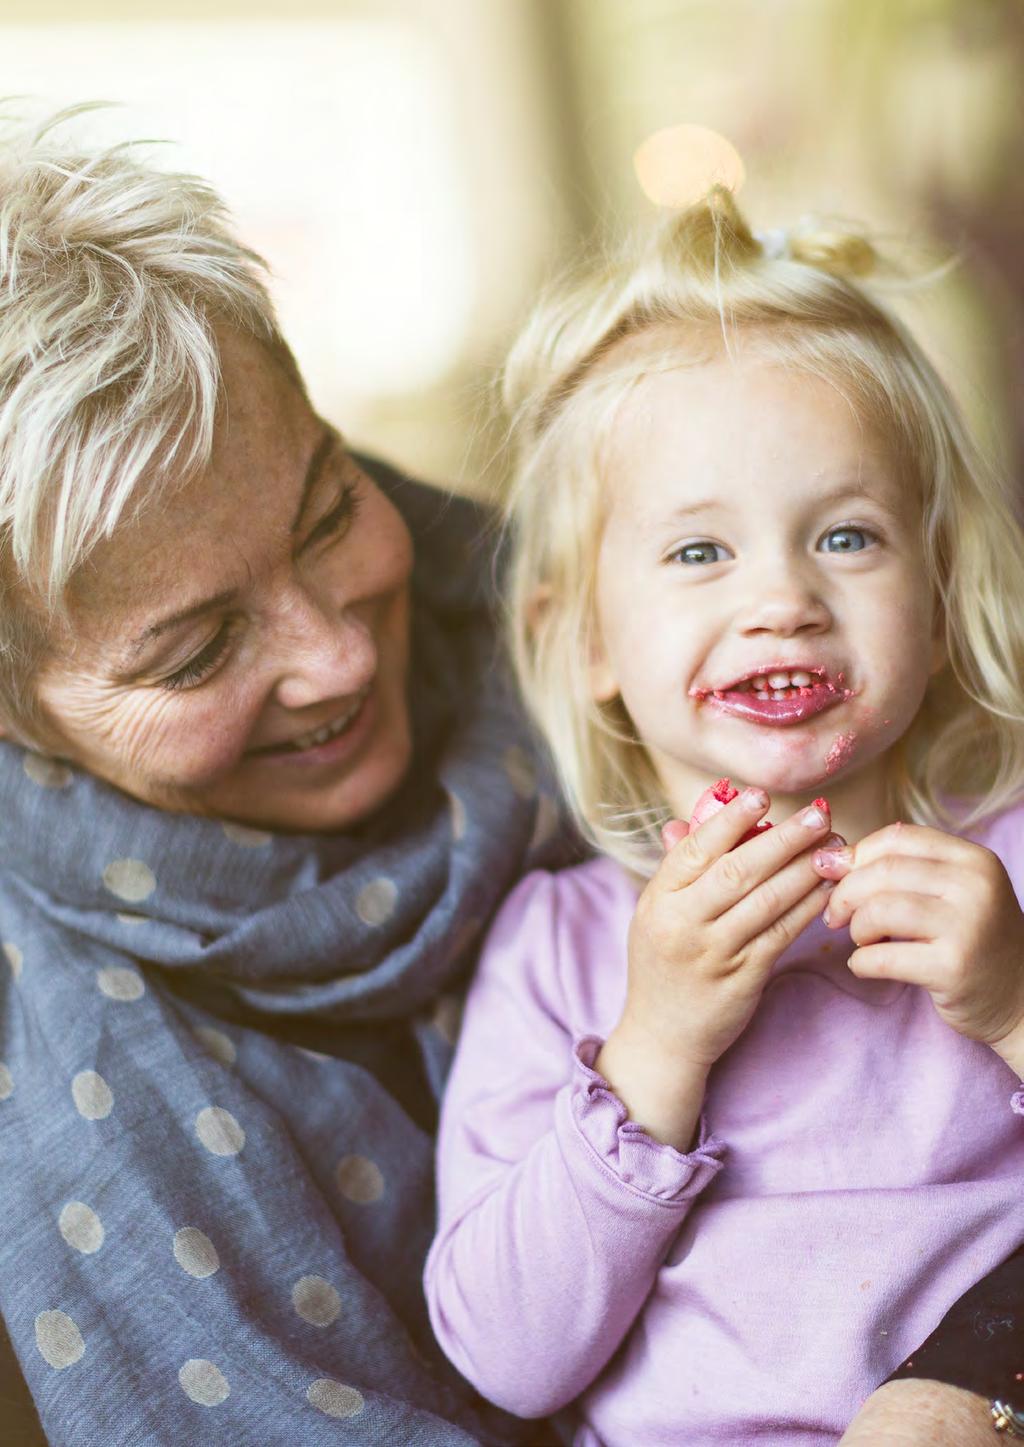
{"type": "Point", "coordinates": [662, 1090]}
{"type": "Point", "coordinates": [1011, 1049]}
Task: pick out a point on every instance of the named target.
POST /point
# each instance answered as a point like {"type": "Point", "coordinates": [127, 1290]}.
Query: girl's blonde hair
{"type": "Point", "coordinates": [702, 282]}
{"type": "Point", "coordinates": [113, 277]}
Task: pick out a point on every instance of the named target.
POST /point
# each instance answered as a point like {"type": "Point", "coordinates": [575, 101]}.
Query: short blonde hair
{"type": "Point", "coordinates": [705, 280]}
{"type": "Point", "coordinates": [113, 276]}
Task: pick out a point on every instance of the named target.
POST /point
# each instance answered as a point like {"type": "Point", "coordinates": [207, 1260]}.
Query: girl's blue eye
{"type": "Point", "coordinates": [846, 540]}
{"type": "Point", "coordinates": [700, 552]}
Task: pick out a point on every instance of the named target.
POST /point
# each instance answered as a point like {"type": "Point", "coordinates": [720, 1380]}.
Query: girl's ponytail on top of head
{"type": "Point", "coordinates": [847, 254]}
{"type": "Point", "coordinates": [713, 239]}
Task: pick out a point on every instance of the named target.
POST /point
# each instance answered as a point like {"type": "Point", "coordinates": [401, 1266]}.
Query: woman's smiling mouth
{"type": "Point", "coordinates": [322, 744]}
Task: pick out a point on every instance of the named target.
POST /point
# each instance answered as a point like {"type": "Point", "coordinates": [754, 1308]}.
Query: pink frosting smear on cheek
{"type": "Point", "coordinates": [842, 748]}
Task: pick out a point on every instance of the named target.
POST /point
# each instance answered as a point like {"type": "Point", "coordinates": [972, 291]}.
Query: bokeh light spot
{"type": "Point", "coordinates": [678, 165]}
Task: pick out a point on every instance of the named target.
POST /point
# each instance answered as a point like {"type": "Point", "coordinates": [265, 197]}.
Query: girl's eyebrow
{"type": "Point", "coordinates": [708, 504]}
{"type": "Point", "coordinates": [856, 490]}
{"type": "Point", "coordinates": [314, 468]}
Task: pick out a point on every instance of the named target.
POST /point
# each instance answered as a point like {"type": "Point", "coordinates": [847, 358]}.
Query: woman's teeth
{"type": "Point", "coordinates": [329, 731]}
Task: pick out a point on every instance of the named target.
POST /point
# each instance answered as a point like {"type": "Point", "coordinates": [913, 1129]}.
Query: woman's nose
{"type": "Point", "coordinates": [321, 653]}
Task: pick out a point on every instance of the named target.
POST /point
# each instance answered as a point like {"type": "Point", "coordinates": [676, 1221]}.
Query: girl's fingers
{"type": "Point", "coordinates": [895, 841]}
{"type": "Point", "coordinates": [768, 903]}
{"type": "Point", "coordinates": [780, 932]}
{"type": "Point", "coordinates": [672, 832]}
{"type": "Point", "coordinates": [834, 864]}
{"type": "Point", "coordinates": [693, 854]}
{"type": "Point", "coordinates": [912, 840]}
{"type": "Point", "coordinates": [900, 917]}
{"type": "Point", "coordinates": [738, 875]}
{"type": "Point", "coordinates": [912, 962]}
{"type": "Point", "coordinates": [894, 874]}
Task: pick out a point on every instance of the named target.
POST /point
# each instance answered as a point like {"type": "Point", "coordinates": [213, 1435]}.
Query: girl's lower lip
{"type": "Point", "coordinates": [754, 707]}
{"type": "Point", "coordinates": [334, 750]}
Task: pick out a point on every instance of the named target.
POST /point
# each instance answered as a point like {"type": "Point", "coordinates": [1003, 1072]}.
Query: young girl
{"type": "Point", "coordinates": [721, 1147]}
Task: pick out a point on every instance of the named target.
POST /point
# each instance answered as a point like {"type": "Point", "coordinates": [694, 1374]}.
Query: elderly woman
{"type": "Point", "coordinates": [262, 784]}
{"type": "Point", "coordinates": [261, 787]}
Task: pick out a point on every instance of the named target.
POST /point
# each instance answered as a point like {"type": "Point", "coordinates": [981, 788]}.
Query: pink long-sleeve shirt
{"type": "Point", "coordinates": [858, 1169]}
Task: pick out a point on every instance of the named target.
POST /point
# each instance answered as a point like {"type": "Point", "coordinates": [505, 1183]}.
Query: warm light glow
{"type": "Point", "coordinates": [678, 165]}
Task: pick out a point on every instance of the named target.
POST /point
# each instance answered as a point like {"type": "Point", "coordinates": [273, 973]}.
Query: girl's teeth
{"type": "Point", "coordinates": [775, 685]}
{"type": "Point", "coordinates": [772, 682]}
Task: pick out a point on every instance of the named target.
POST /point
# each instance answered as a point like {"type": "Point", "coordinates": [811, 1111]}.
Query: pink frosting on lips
{"type": "Point", "coordinates": [800, 703]}
{"type": "Point", "coordinates": [715, 797]}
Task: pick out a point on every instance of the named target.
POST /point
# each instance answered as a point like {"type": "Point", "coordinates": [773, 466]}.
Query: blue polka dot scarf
{"type": "Point", "coordinates": [220, 1057]}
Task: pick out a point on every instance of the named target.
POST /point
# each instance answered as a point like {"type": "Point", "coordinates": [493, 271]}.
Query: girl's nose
{"type": "Point", "coordinates": [784, 607]}
{"type": "Point", "coordinates": [321, 653]}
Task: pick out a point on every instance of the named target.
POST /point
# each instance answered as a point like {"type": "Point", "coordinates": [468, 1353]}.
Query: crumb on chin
{"type": "Point", "coordinates": [839, 752]}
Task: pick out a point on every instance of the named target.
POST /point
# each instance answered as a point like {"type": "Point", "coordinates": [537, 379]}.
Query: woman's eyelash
{"type": "Point", "coordinates": [198, 667]}
{"type": "Point", "coordinates": [340, 516]}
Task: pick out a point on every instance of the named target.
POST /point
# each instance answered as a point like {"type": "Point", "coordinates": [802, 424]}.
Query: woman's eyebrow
{"type": "Point", "coordinates": [314, 468]}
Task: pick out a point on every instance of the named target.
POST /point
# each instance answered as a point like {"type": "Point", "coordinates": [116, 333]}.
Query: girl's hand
{"type": "Point", "coordinates": [707, 930]}
{"type": "Point", "coordinates": [935, 910]}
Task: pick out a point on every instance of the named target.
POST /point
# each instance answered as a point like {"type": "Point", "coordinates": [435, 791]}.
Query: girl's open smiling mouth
{"type": "Point", "coordinates": [777, 697]}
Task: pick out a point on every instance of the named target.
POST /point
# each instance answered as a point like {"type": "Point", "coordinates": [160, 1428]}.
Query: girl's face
{"type": "Point", "coordinates": [241, 649]}
{"type": "Point", "coordinates": [758, 527]}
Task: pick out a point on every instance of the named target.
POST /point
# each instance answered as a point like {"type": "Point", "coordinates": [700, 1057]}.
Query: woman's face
{"type": "Point", "coordinates": [241, 649]}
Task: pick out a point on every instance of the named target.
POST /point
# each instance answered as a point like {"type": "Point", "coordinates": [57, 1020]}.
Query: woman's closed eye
{"type": "Point", "coordinates": [201, 664]}
{"type": "Point", "coordinates": [846, 538]}
{"type": "Point", "coordinates": [339, 519]}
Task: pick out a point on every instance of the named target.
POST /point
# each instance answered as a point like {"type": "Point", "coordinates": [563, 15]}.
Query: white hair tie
{"type": "Point", "coordinates": [774, 242]}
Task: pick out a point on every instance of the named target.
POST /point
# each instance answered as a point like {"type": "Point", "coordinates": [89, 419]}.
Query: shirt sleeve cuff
{"type": "Point", "coordinates": [648, 1166]}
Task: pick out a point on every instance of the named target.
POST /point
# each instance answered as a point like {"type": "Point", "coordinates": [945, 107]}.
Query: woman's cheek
{"type": "Point", "coordinates": [170, 740]}
{"type": "Point", "coordinates": [200, 738]}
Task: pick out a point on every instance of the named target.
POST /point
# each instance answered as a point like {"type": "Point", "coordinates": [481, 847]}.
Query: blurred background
{"type": "Point", "coordinates": [415, 170]}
